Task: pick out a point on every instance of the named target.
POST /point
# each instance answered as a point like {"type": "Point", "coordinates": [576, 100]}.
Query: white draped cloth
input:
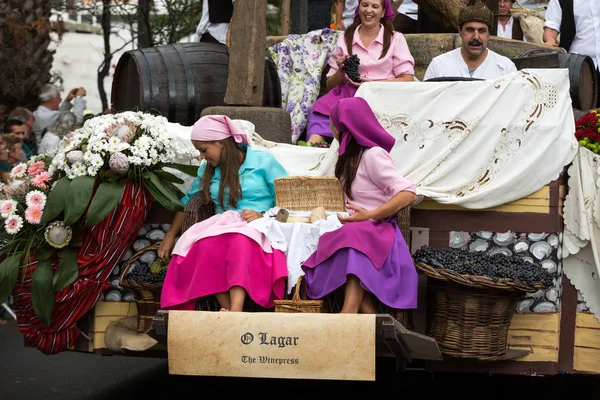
{"type": "Point", "coordinates": [581, 239]}
{"type": "Point", "coordinates": [476, 144]}
{"type": "Point", "coordinates": [479, 144]}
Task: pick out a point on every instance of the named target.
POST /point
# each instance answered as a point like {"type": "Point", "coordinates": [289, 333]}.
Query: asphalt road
{"type": "Point", "coordinates": [25, 373]}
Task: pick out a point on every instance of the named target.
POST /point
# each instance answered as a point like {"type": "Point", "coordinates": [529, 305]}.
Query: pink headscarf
{"type": "Point", "coordinates": [354, 118]}
{"type": "Point", "coordinates": [389, 11]}
{"type": "Point", "coordinates": [217, 127]}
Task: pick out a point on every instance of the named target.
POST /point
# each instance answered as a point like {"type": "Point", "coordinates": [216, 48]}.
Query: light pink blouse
{"type": "Point", "coordinates": [397, 60]}
{"type": "Point", "coordinates": [377, 180]}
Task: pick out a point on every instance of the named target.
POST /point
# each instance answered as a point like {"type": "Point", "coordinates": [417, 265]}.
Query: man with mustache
{"type": "Point", "coordinates": [473, 59]}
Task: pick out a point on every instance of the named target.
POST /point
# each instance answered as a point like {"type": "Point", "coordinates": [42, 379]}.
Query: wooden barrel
{"type": "Point", "coordinates": [582, 78]}
{"type": "Point", "coordinates": [180, 80]}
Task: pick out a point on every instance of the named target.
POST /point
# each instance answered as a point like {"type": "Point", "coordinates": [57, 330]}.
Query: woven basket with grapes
{"type": "Point", "coordinates": [145, 282]}
{"type": "Point", "coordinates": [472, 297]}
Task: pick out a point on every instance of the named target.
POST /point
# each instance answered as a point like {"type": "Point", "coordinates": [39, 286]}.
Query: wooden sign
{"type": "Point", "coordinates": [272, 345]}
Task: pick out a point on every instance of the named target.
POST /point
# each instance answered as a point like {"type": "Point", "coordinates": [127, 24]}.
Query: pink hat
{"type": "Point", "coordinates": [211, 128]}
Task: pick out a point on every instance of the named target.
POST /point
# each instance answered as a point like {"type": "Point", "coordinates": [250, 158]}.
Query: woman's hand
{"type": "Point", "coordinates": [362, 80]}
{"type": "Point", "coordinates": [340, 62]}
{"type": "Point", "coordinates": [166, 248]}
{"type": "Point", "coordinates": [359, 215]}
{"type": "Point", "coordinates": [250, 215]}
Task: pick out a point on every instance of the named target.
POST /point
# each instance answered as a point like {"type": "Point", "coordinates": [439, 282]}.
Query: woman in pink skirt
{"type": "Point", "coordinates": [222, 255]}
{"type": "Point", "coordinates": [368, 253]}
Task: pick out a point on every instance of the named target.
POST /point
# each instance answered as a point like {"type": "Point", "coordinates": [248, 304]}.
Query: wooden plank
{"type": "Point", "coordinates": [586, 360]}
{"type": "Point", "coordinates": [98, 340]}
{"type": "Point", "coordinates": [568, 311]}
{"type": "Point", "coordinates": [522, 337]}
{"type": "Point", "coordinates": [468, 221]}
{"type": "Point", "coordinates": [509, 208]}
{"type": "Point", "coordinates": [549, 322]}
{"type": "Point", "coordinates": [117, 308]}
{"type": "Point", "coordinates": [586, 320]}
{"type": "Point", "coordinates": [538, 202]}
{"type": "Point", "coordinates": [540, 354]}
{"type": "Point", "coordinates": [585, 337]}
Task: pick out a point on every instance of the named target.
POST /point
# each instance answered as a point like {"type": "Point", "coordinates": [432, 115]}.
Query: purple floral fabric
{"type": "Point", "coordinates": [300, 60]}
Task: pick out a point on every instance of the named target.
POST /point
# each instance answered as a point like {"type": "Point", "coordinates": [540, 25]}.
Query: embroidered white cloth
{"type": "Point", "coordinates": [479, 144]}
{"type": "Point", "coordinates": [474, 144]}
{"type": "Point", "coordinates": [581, 239]}
{"type": "Point", "coordinates": [298, 240]}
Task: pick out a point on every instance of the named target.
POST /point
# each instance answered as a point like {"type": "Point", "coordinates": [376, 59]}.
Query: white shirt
{"type": "Point", "coordinates": [409, 8]}
{"type": "Point", "coordinates": [348, 14]}
{"type": "Point", "coordinates": [49, 142]}
{"type": "Point", "coordinates": [506, 33]}
{"type": "Point", "coordinates": [218, 31]}
{"type": "Point", "coordinates": [587, 26]}
{"type": "Point", "coordinates": [44, 117]}
{"type": "Point", "coordinates": [452, 64]}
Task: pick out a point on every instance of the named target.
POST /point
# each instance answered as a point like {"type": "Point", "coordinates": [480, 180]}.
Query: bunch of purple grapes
{"type": "Point", "coordinates": [351, 67]}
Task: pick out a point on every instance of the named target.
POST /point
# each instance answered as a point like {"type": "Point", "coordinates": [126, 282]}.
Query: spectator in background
{"type": "Point", "coordinates": [51, 107]}
{"type": "Point", "coordinates": [406, 18]}
{"type": "Point", "coordinates": [578, 23]}
{"type": "Point", "coordinates": [344, 13]}
{"type": "Point", "coordinates": [16, 127]}
{"type": "Point", "coordinates": [65, 123]}
{"type": "Point", "coordinates": [25, 116]}
{"type": "Point", "coordinates": [214, 22]}
{"type": "Point", "coordinates": [508, 26]}
{"type": "Point", "coordinates": [13, 144]}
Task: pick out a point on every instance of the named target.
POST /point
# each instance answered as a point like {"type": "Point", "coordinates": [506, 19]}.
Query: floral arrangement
{"type": "Point", "coordinates": [53, 196]}
{"type": "Point", "coordinates": [587, 131]}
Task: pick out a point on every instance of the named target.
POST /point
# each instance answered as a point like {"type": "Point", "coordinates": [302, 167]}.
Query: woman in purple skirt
{"type": "Point", "coordinates": [368, 253]}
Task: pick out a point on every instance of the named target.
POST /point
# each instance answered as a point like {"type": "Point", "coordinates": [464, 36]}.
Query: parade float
{"type": "Point", "coordinates": [507, 182]}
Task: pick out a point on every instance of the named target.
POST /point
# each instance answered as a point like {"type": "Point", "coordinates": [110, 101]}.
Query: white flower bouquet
{"type": "Point", "coordinates": [105, 154]}
{"type": "Point", "coordinates": [54, 196]}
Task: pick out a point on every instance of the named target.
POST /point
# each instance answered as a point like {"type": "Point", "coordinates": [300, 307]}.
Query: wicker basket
{"type": "Point", "coordinates": [298, 304]}
{"type": "Point", "coordinates": [146, 294]}
{"type": "Point", "coordinates": [470, 315]}
{"type": "Point", "coordinates": [303, 193]}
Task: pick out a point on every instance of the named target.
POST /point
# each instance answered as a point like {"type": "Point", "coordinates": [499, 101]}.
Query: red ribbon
{"type": "Point", "coordinates": [103, 246]}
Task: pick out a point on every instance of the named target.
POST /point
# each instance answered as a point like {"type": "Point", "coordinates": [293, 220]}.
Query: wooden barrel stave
{"type": "Point", "coordinates": [179, 80]}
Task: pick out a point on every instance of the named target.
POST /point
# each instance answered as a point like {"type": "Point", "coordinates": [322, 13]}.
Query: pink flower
{"type": "Point", "coordinates": [36, 168]}
{"type": "Point", "coordinates": [41, 180]}
{"type": "Point", "coordinates": [33, 214]}
{"type": "Point", "coordinates": [8, 208]}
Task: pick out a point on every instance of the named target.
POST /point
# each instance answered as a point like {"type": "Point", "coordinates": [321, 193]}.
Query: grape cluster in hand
{"type": "Point", "coordinates": [351, 67]}
{"type": "Point", "coordinates": [495, 267]}
{"type": "Point", "coordinates": [143, 273]}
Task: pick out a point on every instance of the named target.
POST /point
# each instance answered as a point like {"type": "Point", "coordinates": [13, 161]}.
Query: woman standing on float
{"type": "Point", "coordinates": [383, 53]}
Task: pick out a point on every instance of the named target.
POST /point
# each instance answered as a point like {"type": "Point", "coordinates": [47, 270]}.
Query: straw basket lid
{"type": "Point", "coordinates": [301, 193]}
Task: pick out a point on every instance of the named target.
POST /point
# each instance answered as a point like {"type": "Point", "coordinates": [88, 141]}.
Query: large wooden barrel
{"type": "Point", "coordinates": [180, 80]}
{"type": "Point", "coordinates": [582, 78]}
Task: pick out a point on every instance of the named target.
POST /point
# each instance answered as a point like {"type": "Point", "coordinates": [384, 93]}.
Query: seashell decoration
{"type": "Point", "coordinates": [459, 239]}
{"type": "Point", "coordinates": [535, 237]}
{"type": "Point", "coordinates": [534, 247]}
{"type": "Point", "coordinates": [479, 245]}
{"type": "Point", "coordinates": [501, 250]}
{"type": "Point", "coordinates": [521, 247]}
{"type": "Point", "coordinates": [504, 239]}
{"type": "Point", "coordinates": [524, 305]}
{"type": "Point", "coordinates": [541, 250]}
{"type": "Point", "coordinates": [553, 240]}
{"type": "Point", "coordinates": [545, 306]}
{"type": "Point", "coordinates": [487, 235]}
{"type": "Point", "coordinates": [550, 266]}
